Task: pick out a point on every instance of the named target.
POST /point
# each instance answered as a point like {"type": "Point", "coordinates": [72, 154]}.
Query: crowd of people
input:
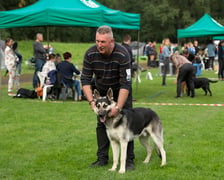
{"type": "Point", "coordinates": [46, 63]}
{"type": "Point", "coordinates": [209, 57]}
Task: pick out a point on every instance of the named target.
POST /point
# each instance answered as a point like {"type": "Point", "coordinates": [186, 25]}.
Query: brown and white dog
{"type": "Point", "coordinates": [137, 122]}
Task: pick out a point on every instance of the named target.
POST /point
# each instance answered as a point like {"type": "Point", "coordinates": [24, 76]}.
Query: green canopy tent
{"type": "Point", "coordinates": [218, 38]}
{"type": "Point", "coordinates": [86, 13]}
{"type": "Point", "coordinates": [205, 26]}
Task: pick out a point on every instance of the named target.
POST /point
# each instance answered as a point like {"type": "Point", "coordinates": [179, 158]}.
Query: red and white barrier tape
{"type": "Point", "coordinates": [176, 104]}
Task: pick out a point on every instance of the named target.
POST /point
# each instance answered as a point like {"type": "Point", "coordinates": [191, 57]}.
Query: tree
{"type": "Point", "coordinates": [159, 19]}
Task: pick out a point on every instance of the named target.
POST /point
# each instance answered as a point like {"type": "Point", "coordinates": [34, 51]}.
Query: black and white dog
{"type": "Point", "coordinates": [136, 122]}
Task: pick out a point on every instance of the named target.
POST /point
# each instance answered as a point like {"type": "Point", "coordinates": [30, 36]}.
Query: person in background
{"type": "Point", "coordinates": [185, 72]}
{"type": "Point", "coordinates": [184, 47]}
{"type": "Point", "coordinates": [166, 59]}
{"type": "Point", "coordinates": [191, 48]}
{"type": "Point", "coordinates": [11, 61]}
{"type": "Point", "coordinates": [110, 64]}
{"type": "Point", "coordinates": [221, 60]}
{"type": "Point", "coordinates": [58, 59]}
{"type": "Point", "coordinates": [160, 52]}
{"type": "Point", "coordinates": [39, 56]}
{"type": "Point", "coordinates": [150, 52]}
{"type": "Point", "coordinates": [196, 47]}
{"type": "Point", "coordinates": [211, 54]}
{"type": "Point", "coordinates": [49, 66]}
{"type": "Point", "coordinates": [19, 63]}
{"type": "Point", "coordinates": [126, 43]}
{"type": "Point", "coordinates": [67, 69]}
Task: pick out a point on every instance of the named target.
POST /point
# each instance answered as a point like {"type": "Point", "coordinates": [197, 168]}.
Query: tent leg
{"type": "Point", "coordinates": [48, 42]}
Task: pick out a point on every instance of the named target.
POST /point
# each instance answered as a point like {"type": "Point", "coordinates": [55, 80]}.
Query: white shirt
{"type": "Point", "coordinates": [48, 66]}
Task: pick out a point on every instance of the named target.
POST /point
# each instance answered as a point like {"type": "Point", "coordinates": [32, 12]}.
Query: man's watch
{"type": "Point", "coordinates": [90, 102]}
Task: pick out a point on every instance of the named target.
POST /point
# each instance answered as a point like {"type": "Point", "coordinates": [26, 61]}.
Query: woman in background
{"type": "Point", "coordinates": [11, 62]}
{"type": "Point", "coordinates": [166, 58]}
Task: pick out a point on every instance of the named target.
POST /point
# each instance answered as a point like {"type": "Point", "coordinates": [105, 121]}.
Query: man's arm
{"type": "Point", "coordinates": [87, 90]}
{"type": "Point", "coordinates": [122, 97]}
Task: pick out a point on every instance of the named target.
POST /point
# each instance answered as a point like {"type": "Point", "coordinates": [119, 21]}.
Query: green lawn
{"type": "Point", "coordinates": [56, 140]}
{"type": "Point", "coordinates": [77, 50]}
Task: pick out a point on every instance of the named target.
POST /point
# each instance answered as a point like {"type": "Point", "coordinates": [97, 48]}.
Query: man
{"type": "Point", "coordinates": [110, 65]}
{"type": "Point", "coordinates": [40, 57]}
{"type": "Point", "coordinates": [185, 72]}
{"type": "Point", "coordinates": [126, 43]}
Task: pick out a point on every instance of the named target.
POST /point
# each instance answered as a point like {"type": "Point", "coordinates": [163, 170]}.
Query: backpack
{"type": "Point", "coordinates": [26, 93]}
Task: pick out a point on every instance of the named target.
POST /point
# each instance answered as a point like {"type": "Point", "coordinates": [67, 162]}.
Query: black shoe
{"type": "Point", "coordinates": [130, 166]}
{"type": "Point", "coordinates": [98, 163]}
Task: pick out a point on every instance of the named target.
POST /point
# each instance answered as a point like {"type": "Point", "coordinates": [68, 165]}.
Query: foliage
{"type": "Point", "coordinates": [159, 19]}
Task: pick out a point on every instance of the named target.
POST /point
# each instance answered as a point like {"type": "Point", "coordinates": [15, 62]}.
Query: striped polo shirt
{"type": "Point", "coordinates": [112, 71]}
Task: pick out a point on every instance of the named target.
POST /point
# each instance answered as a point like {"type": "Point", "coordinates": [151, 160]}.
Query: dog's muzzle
{"type": "Point", "coordinates": [102, 116]}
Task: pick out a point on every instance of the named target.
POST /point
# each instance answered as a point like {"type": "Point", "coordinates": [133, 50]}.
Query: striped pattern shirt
{"type": "Point", "coordinates": [112, 71]}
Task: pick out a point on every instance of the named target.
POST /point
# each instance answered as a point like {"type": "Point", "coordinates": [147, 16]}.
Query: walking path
{"type": "Point", "coordinates": [23, 78]}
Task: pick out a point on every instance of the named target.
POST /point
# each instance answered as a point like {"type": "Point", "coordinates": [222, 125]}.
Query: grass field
{"type": "Point", "coordinates": [77, 50]}
{"type": "Point", "coordinates": [56, 140]}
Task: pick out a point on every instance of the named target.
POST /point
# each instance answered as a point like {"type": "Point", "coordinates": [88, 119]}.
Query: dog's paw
{"type": "Point", "coordinates": [121, 171]}
{"type": "Point", "coordinates": [112, 169]}
{"type": "Point", "coordinates": [162, 164]}
{"type": "Point", "coordinates": [146, 161]}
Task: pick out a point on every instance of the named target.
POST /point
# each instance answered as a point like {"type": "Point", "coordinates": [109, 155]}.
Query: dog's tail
{"type": "Point", "coordinates": [213, 81]}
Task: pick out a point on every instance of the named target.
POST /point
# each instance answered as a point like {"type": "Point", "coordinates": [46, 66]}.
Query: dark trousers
{"type": "Point", "coordinates": [166, 63]}
{"type": "Point", "coordinates": [38, 67]}
{"type": "Point", "coordinates": [221, 68]}
{"type": "Point", "coordinates": [186, 73]}
{"type": "Point", "coordinates": [211, 62]}
{"type": "Point", "coordinates": [102, 138]}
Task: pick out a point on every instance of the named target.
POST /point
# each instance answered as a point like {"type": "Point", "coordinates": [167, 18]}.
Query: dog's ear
{"type": "Point", "coordinates": [110, 94]}
{"type": "Point", "coordinates": [96, 94]}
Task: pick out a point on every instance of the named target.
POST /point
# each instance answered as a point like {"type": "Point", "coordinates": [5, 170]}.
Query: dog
{"type": "Point", "coordinates": [203, 83]}
{"type": "Point", "coordinates": [128, 124]}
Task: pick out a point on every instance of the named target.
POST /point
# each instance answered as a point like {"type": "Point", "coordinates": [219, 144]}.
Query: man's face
{"type": "Point", "coordinates": [40, 37]}
{"type": "Point", "coordinates": [104, 43]}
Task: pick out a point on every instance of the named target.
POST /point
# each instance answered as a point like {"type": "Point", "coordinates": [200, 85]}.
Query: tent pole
{"type": "Point", "coordinates": [1, 61]}
{"type": "Point", "coordinates": [0, 70]}
{"type": "Point", "coordinates": [0, 77]}
{"type": "Point", "coordinates": [48, 43]}
{"type": "Point", "coordinates": [137, 62]}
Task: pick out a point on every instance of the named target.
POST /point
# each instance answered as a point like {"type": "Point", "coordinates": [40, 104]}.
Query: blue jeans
{"type": "Point", "coordinates": [38, 67]}
{"type": "Point", "coordinates": [77, 87]}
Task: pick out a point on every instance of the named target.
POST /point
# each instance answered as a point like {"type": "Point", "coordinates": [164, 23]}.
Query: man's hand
{"type": "Point", "coordinates": [92, 105]}
{"type": "Point", "coordinates": [113, 112]}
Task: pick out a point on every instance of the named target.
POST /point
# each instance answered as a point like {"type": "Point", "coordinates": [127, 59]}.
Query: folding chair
{"type": "Point", "coordinates": [46, 87]}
